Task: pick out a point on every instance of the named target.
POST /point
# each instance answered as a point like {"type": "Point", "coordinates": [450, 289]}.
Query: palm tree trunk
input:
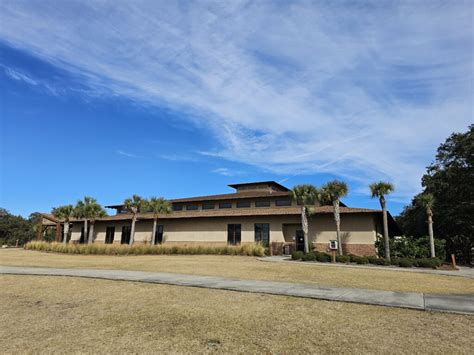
{"type": "Point", "coordinates": [91, 233]}
{"type": "Point", "coordinates": [132, 232]}
{"type": "Point", "coordinates": [66, 231]}
{"type": "Point", "coordinates": [430, 232]}
{"type": "Point", "coordinates": [153, 233]}
{"type": "Point", "coordinates": [86, 235]}
{"type": "Point", "coordinates": [304, 226]}
{"type": "Point", "coordinates": [385, 230]}
{"type": "Point", "coordinates": [337, 219]}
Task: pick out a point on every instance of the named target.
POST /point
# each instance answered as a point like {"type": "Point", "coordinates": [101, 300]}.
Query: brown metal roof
{"type": "Point", "coordinates": [234, 212]}
{"type": "Point", "coordinates": [269, 183]}
{"type": "Point", "coordinates": [232, 196]}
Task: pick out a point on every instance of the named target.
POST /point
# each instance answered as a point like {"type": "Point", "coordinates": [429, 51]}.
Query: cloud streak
{"type": "Point", "coordinates": [364, 91]}
{"type": "Point", "coordinates": [227, 172]}
{"type": "Point", "coordinates": [128, 155]}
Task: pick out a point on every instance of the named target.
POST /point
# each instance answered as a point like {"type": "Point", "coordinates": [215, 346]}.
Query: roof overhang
{"type": "Point", "coordinates": [270, 183]}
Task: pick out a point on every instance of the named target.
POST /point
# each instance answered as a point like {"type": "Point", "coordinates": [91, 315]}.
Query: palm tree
{"type": "Point", "coordinates": [157, 205]}
{"type": "Point", "coordinates": [427, 201]}
{"type": "Point", "coordinates": [381, 189]}
{"type": "Point", "coordinates": [93, 211]}
{"type": "Point", "coordinates": [89, 209]}
{"type": "Point", "coordinates": [64, 212]}
{"type": "Point", "coordinates": [333, 191]}
{"type": "Point", "coordinates": [305, 195]}
{"type": "Point", "coordinates": [80, 212]}
{"type": "Point", "coordinates": [134, 205]}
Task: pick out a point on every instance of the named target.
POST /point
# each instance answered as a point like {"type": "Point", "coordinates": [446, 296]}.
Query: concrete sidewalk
{"type": "Point", "coordinates": [462, 272]}
{"type": "Point", "coordinates": [444, 303]}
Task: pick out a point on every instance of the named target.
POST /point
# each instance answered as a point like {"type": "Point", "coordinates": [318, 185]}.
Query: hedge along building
{"type": "Point", "coordinates": [256, 212]}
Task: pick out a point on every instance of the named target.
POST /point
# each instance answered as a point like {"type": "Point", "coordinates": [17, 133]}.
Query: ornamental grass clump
{"type": "Point", "coordinates": [255, 249]}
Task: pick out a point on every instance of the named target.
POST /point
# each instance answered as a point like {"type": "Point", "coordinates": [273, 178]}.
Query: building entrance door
{"type": "Point", "coordinates": [299, 240]}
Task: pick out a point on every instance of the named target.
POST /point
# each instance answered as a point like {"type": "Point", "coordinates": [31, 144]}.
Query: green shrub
{"type": "Point", "coordinates": [436, 262]}
{"type": "Point", "coordinates": [405, 262]}
{"type": "Point", "coordinates": [343, 259]}
{"type": "Point", "coordinates": [297, 255]}
{"type": "Point", "coordinates": [372, 259]}
{"type": "Point", "coordinates": [382, 261]}
{"type": "Point", "coordinates": [360, 259]}
{"type": "Point", "coordinates": [394, 261]}
{"type": "Point", "coordinates": [323, 257]}
{"type": "Point", "coordinates": [428, 263]}
{"type": "Point", "coordinates": [311, 256]}
{"type": "Point", "coordinates": [412, 247]}
{"type": "Point", "coordinates": [353, 258]}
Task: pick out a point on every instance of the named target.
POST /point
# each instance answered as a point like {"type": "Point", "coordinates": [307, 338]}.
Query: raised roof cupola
{"type": "Point", "coordinates": [268, 186]}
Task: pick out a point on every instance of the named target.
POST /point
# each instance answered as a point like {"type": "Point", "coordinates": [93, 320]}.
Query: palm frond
{"type": "Point", "coordinates": [381, 188]}
{"type": "Point", "coordinates": [305, 194]}
{"type": "Point", "coordinates": [334, 190]}
{"type": "Point", "coordinates": [63, 212]}
{"type": "Point", "coordinates": [426, 200]}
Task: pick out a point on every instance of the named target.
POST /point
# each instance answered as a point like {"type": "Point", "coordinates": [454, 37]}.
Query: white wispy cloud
{"type": "Point", "coordinates": [27, 78]}
{"type": "Point", "coordinates": [227, 172]}
{"type": "Point", "coordinates": [362, 90]}
{"type": "Point", "coordinates": [128, 155]}
{"type": "Point", "coordinates": [179, 157]}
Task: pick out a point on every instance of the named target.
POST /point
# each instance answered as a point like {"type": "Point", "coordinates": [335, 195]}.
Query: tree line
{"type": "Point", "coordinates": [447, 198]}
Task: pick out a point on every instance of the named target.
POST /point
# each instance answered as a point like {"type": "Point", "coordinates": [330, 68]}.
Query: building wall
{"type": "Point", "coordinates": [358, 230]}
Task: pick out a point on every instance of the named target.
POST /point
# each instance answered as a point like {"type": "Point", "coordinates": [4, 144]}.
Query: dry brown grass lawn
{"type": "Point", "coordinates": [57, 314]}
{"type": "Point", "coordinates": [245, 267]}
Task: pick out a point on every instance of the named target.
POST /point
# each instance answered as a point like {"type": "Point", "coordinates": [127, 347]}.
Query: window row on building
{"type": "Point", "coordinates": [262, 234]}
{"type": "Point", "coordinates": [228, 204]}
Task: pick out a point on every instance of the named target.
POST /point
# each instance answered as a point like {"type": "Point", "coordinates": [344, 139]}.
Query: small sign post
{"type": "Point", "coordinates": [453, 260]}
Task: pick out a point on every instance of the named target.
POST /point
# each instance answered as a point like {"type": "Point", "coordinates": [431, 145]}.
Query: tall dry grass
{"type": "Point", "coordinates": [255, 249]}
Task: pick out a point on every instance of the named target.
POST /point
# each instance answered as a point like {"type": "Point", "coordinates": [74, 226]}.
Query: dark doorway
{"type": "Point", "coordinates": [262, 233]}
{"type": "Point", "coordinates": [109, 235]}
{"type": "Point", "coordinates": [159, 234]}
{"type": "Point", "coordinates": [126, 232]}
{"type": "Point", "coordinates": [299, 240]}
{"type": "Point", "coordinates": [233, 234]}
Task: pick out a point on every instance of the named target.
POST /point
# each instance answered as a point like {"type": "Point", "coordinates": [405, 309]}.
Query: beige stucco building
{"type": "Point", "coordinates": [255, 212]}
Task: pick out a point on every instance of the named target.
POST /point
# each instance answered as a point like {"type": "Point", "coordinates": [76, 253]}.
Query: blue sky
{"type": "Point", "coordinates": [181, 98]}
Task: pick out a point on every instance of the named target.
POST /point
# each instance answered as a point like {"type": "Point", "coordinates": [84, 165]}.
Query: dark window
{"type": "Point", "coordinates": [283, 203]}
{"type": "Point", "coordinates": [191, 207]}
{"type": "Point", "coordinates": [177, 207]}
{"type": "Point", "coordinates": [243, 204]}
{"type": "Point", "coordinates": [225, 204]}
{"type": "Point", "coordinates": [233, 234]}
{"type": "Point", "coordinates": [126, 232]}
{"type": "Point", "coordinates": [262, 233]}
{"type": "Point", "coordinates": [208, 206]}
{"type": "Point", "coordinates": [109, 235]}
{"type": "Point", "coordinates": [159, 234]}
{"type": "Point", "coordinates": [264, 203]}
